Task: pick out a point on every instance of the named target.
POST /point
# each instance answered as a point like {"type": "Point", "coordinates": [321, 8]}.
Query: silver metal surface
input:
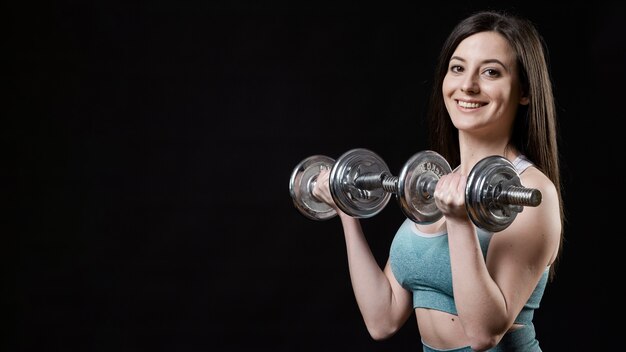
{"type": "Point", "coordinates": [494, 194]}
{"type": "Point", "coordinates": [416, 186]}
{"type": "Point", "coordinates": [301, 183]}
{"type": "Point", "coordinates": [356, 183]}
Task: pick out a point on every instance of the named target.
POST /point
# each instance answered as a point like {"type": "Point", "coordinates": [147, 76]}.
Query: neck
{"type": "Point", "coordinates": [472, 150]}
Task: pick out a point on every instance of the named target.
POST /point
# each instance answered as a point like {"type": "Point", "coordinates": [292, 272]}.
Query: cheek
{"type": "Point", "coordinates": [506, 102]}
{"type": "Point", "coordinates": [446, 88]}
{"type": "Point", "coordinates": [510, 99]}
{"type": "Point", "coordinates": [504, 92]}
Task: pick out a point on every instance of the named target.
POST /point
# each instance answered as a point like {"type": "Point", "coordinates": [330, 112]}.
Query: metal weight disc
{"type": "Point", "coordinates": [416, 186]}
{"type": "Point", "coordinates": [485, 182]}
{"type": "Point", "coordinates": [356, 202]}
{"type": "Point", "coordinates": [301, 184]}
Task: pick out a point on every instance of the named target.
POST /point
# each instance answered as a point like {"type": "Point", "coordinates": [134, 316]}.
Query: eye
{"type": "Point", "coordinates": [491, 72]}
{"type": "Point", "coordinates": [456, 69]}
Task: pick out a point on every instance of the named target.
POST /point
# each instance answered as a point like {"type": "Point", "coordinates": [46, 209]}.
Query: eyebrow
{"type": "Point", "coordinates": [488, 61]}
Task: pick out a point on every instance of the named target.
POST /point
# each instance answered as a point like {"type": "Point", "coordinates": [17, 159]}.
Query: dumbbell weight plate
{"type": "Point", "coordinates": [301, 184]}
{"type": "Point", "coordinates": [416, 186]}
{"type": "Point", "coordinates": [350, 199]}
{"type": "Point", "coordinates": [485, 182]}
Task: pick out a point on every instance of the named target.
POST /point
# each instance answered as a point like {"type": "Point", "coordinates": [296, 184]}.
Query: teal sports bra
{"type": "Point", "coordinates": [421, 264]}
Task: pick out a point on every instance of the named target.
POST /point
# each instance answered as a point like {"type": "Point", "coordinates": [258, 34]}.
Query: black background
{"type": "Point", "coordinates": [155, 141]}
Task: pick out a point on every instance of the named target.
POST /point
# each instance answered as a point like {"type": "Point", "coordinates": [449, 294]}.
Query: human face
{"type": "Point", "coordinates": [481, 88]}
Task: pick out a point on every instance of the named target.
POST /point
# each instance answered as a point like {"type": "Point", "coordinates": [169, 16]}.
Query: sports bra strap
{"type": "Point", "coordinates": [521, 163]}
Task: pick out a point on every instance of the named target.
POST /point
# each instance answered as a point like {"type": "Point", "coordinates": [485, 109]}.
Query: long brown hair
{"type": "Point", "coordinates": [534, 130]}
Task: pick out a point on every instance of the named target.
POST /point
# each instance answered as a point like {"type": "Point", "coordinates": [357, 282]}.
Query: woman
{"type": "Point", "coordinates": [470, 289]}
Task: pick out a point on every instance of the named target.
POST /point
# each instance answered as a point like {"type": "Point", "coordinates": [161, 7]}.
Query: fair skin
{"type": "Point", "coordinates": [482, 93]}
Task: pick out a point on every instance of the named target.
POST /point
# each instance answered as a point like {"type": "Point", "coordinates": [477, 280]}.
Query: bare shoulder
{"type": "Point", "coordinates": [534, 178]}
{"type": "Point", "coordinates": [536, 231]}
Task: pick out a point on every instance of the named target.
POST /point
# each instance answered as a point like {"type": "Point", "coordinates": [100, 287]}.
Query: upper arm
{"type": "Point", "coordinates": [519, 254]}
{"type": "Point", "coordinates": [401, 299]}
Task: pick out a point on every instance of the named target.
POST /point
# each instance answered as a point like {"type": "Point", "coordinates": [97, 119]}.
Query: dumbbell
{"type": "Point", "coordinates": [356, 184]}
{"type": "Point", "coordinates": [494, 194]}
{"type": "Point", "coordinates": [361, 186]}
{"type": "Point", "coordinates": [301, 183]}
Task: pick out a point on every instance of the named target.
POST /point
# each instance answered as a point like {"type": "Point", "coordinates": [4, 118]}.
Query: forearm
{"type": "Point", "coordinates": [371, 286]}
{"type": "Point", "coordinates": [480, 303]}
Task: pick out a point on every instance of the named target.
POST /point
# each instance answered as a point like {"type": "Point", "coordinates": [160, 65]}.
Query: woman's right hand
{"type": "Point", "coordinates": [321, 190]}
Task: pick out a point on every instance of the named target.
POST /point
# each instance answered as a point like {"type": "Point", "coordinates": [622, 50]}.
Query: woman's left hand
{"type": "Point", "coordinates": [450, 196]}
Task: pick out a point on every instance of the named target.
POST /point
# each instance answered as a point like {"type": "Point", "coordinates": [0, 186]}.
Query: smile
{"type": "Point", "coordinates": [469, 105]}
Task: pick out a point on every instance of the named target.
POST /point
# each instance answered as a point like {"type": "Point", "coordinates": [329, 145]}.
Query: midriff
{"type": "Point", "coordinates": [443, 330]}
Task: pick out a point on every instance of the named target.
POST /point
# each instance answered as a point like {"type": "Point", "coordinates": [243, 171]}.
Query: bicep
{"type": "Point", "coordinates": [519, 255]}
{"type": "Point", "coordinates": [401, 299]}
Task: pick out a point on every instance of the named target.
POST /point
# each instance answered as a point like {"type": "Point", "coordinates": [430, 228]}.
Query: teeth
{"type": "Point", "coordinates": [465, 104]}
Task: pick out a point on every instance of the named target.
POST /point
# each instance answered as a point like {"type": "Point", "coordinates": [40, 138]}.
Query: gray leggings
{"type": "Point", "coordinates": [522, 339]}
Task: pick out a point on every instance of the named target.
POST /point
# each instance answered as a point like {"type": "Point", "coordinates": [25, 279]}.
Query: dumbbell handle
{"type": "Point", "coordinates": [518, 195]}
{"type": "Point", "coordinates": [366, 182]}
{"type": "Point", "coordinates": [510, 195]}
{"type": "Point", "coordinates": [382, 180]}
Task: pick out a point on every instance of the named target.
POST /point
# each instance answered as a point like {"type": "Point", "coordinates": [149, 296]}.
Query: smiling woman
{"type": "Point", "coordinates": [483, 81]}
{"type": "Point", "coordinates": [152, 142]}
{"type": "Point", "coordinates": [468, 288]}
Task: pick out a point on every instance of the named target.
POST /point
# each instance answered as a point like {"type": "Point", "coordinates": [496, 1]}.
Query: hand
{"type": "Point", "coordinates": [450, 196]}
{"type": "Point", "coordinates": [321, 190]}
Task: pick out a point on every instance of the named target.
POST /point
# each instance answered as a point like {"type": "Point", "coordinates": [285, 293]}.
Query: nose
{"type": "Point", "coordinates": [470, 84]}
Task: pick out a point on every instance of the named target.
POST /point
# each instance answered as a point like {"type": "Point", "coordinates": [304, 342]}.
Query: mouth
{"type": "Point", "coordinates": [469, 104]}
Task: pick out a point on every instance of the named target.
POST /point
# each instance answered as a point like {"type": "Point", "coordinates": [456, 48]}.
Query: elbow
{"type": "Point", "coordinates": [380, 334]}
{"type": "Point", "coordinates": [486, 335]}
{"type": "Point", "coordinates": [484, 340]}
{"type": "Point", "coordinates": [381, 331]}
{"type": "Point", "coordinates": [483, 343]}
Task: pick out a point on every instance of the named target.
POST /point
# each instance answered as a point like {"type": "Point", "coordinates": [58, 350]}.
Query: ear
{"type": "Point", "coordinates": [524, 100]}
